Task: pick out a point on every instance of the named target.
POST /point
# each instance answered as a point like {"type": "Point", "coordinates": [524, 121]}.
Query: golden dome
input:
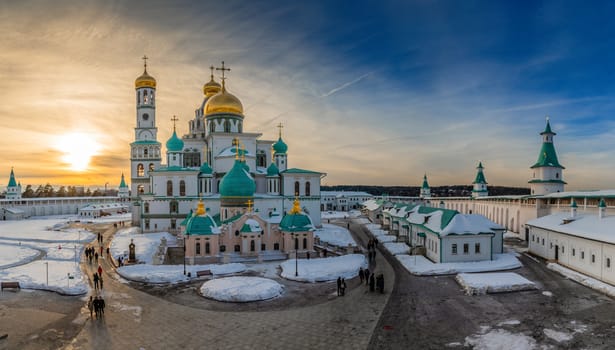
{"type": "Point", "coordinates": [145, 80]}
{"type": "Point", "coordinates": [223, 102]}
{"type": "Point", "coordinates": [211, 87]}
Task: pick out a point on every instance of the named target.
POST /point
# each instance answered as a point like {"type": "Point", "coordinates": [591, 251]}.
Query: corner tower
{"type": "Point", "coordinates": [145, 150]}
{"type": "Point", "coordinates": [547, 176]}
{"type": "Point", "coordinates": [425, 190]}
{"type": "Point", "coordinates": [480, 184]}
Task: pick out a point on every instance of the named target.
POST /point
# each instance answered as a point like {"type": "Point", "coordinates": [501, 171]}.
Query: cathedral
{"type": "Point", "coordinates": [217, 169]}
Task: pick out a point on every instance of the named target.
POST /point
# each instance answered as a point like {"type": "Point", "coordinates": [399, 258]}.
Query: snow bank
{"type": "Point", "coordinates": [500, 339]}
{"type": "Point", "coordinates": [396, 247]}
{"type": "Point", "coordinates": [325, 269]}
{"type": "Point", "coordinates": [419, 265]}
{"type": "Point", "coordinates": [482, 283]}
{"type": "Point", "coordinates": [34, 276]}
{"type": "Point", "coordinates": [335, 235]}
{"type": "Point", "coordinates": [146, 244]}
{"type": "Point", "coordinates": [241, 289]}
{"type": "Point", "coordinates": [584, 280]}
{"type": "Point", "coordinates": [13, 255]}
{"type": "Point", "coordinates": [387, 238]}
{"type": "Point", "coordinates": [173, 273]}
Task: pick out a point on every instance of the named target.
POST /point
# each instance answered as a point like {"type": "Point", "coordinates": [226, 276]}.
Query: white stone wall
{"type": "Point", "coordinates": [470, 240]}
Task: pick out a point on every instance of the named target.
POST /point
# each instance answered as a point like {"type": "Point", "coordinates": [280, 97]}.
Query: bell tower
{"type": "Point", "coordinates": [145, 150]}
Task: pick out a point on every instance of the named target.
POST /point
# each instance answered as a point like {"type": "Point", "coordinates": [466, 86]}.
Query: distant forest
{"type": "Point", "coordinates": [440, 191]}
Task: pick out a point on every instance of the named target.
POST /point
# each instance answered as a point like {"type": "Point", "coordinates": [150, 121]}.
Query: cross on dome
{"type": "Point", "coordinates": [211, 68]}
{"type": "Point", "coordinates": [223, 78]}
{"type": "Point", "coordinates": [174, 119]}
{"type": "Point", "coordinates": [145, 61]}
{"type": "Point", "coordinates": [280, 126]}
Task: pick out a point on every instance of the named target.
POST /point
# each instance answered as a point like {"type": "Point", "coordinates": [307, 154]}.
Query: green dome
{"type": "Point", "coordinates": [273, 170]}
{"type": "Point", "coordinates": [206, 169]}
{"type": "Point", "coordinates": [175, 144]}
{"type": "Point", "coordinates": [237, 182]}
{"type": "Point", "coordinates": [296, 223]}
{"type": "Point", "coordinates": [200, 225]}
{"type": "Point", "coordinates": [280, 147]}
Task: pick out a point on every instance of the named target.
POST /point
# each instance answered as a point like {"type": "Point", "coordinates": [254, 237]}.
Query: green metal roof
{"type": "Point", "coordinates": [231, 219]}
{"type": "Point", "coordinates": [272, 170]}
{"type": "Point", "coordinates": [175, 144]}
{"type": "Point", "coordinates": [206, 169]}
{"type": "Point", "coordinates": [447, 214]}
{"type": "Point", "coordinates": [123, 183]}
{"type": "Point", "coordinates": [480, 177]}
{"type": "Point", "coordinates": [547, 157]}
{"type": "Point", "coordinates": [425, 184]}
{"type": "Point", "coordinates": [280, 147]}
{"type": "Point", "coordinates": [536, 181]}
{"type": "Point", "coordinates": [573, 204]}
{"type": "Point", "coordinates": [12, 182]}
{"type": "Point", "coordinates": [602, 203]}
{"type": "Point", "coordinates": [200, 225]}
{"type": "Point", "coordinates": [237, 182]}
{"type": "Point", "coordinates": [296, 223]}
{"type": "Point", "coordinates": [145, 142]}
{"type": "Point", "coordinates": [548, 129]}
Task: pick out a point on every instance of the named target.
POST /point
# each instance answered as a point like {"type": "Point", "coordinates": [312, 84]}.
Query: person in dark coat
{"type": "Point", "coordinates": [366, 275]}
{"type": "Point", "coordinates": [96, 303]}
{"type": "Point", "coordinates": [91, 306]}
{"type": "Point", "coordinates": [372, 282]}
{"type": "Point", "coordinates": [100, 280]}
{"type": "Point", "coordinates": [95, 281]}
{"type": "Point", "coordinates": [102, 305]}
{"type": "Point", "coordinates": [361, 274]}
{"type": "Point", "coordinates": [380, 283]}
{"type": "Point", "coordinates": [343, 287]}
{"type": "Point", "coordinates": [339, 286]}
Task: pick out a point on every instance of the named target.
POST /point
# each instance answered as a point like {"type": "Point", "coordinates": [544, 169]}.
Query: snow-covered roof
{"type": "Point", "coordinates": [588, 194]}
{"type": "Point", "coordinates": [344, 194]}
{"type": "Point", "coordinates": [588, 225]}
{"type": "Point", "coordinates": [103, 206]}
{"type": "Point", "coordinates": [372, 204]}
{"type": "Point", "coordinates": [14, 210]}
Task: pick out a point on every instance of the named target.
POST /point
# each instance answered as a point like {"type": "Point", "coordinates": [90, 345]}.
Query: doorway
{"type": "Point", "coordinates": [556, 252]}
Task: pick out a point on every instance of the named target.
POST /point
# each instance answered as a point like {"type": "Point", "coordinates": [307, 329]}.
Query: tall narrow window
{"type": "Point", "coordinates": [151, 166]}
{"type": "Point", "coordinates": [477, 248]}
{"type": "Point", "coordinates": [146, 208]}
{"type": "Point", "coordinates": [466, 248]}
{"type": "Point", "coordinates": [305, 243]}
{"type": "Point", "coordinates": [307, 188]}
{"type": "Point", "coordinates": [227, 126]}
{"type": "Point", "coordinates": [296, 188]}
{"type": "Point", "coordinates": [145, 152]}
{"type": "Point", "coordinates": [141, 189]}
{"type": "Point", "coordinates": [182, 188]}
{"type": "Point", "coordinates": [169, 188]}
{"type": "Point", "coordinates": [454, 249]}
{"type": "Point", "coordinates": [608, 262]}
{"type": "Point", "coordinates": [252, 246]}
{"type": "Point", "coordinates": [198, 248]}
{"type": "Point", "coordinates": [173, 207]}
{"type": "Point", "coordinates": [140, 170]}
{"type": "Point", "coordinates": [207, 248]}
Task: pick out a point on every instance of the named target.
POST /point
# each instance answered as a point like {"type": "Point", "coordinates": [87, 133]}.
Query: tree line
{"type": "Point", "coordinates": [439, 191]}
{"type": "Point", "coordinates": [63, 191]}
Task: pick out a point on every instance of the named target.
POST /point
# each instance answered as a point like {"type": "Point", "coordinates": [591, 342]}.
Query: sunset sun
{"type": "Point", "coordinates": [77, 150]}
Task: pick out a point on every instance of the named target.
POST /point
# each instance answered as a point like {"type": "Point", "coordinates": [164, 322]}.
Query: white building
{"type": "Point", "coordinates": [581, 241]}
{"type": "Point", "coordinates": [13, 190]}
{"type": "Point", "coordinates": [342, 200]}
{"type": "Point", "coordinates": [230, 169]}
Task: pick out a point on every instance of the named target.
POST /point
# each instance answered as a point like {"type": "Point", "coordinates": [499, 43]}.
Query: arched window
{"type": "Point", "coordinates": [222, 248]}
{"type": "Point", "coordinates": [140, 170]}
{"type": "Point", "coordinates": [276, 246]}
{"type": "Point", "coordinates": [261, 159]}
{"type": "Point", "coordinates": [296, 243]}
{"type": "Point", "coordinates": [307, 188]}
{"type": "Point", "coordinates": [140, 189]}
{"type": "Point", "coordinates": [173, 207]}
{"type": "Point", "coordinates": [252, 246]}
{"type": "Point", "coordinates": [237, 248]}
{"type": "Point", "coordinates": [198, 248]}
{"type": "Point", "coordinates": [145, 152]}
{"type": "Point", "coordinates": [169, 188]}
{"type": "Point", "coordinates": [146, 208]}
{"type": "Point", "coordinates": [212, 126]}
{"type": "Point", "coordinates": [227, 126]}
{"type": "Point", "coordinates": [240, 127]}
{"type": "Point", "coordinates": [296, 188]}
{"type": "Point", "coordinates": [305, 243]}
{"type": "Point", "coordinates": [151, 166]}
{"type": "Point", "coordinates": [182, 188]}
{"type": "Point", "coordinates": [207, 249]}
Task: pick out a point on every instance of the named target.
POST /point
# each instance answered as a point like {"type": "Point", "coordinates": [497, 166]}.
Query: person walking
{"type": "Point", "coordinates": [95, 281]}
{"type": "Point", "coordinates": [97, 307]}
{"type": "Point", "coordinates": [366, 275]}
{"type": "Point", "coordinates": [339, 286]}
{"type": "Point", "coordinates": [343, 287]}
{"type": "Point", "coordinates": [96, 257]}
{"type": "Point", "coordinates": [91, 306]}
{"type": "Point", "coordinates": [372, 282]}
{"type": "Point", "coordinates": [380, 283]}
{"type": "Point", "coordinates": [102, 305]}
{"type": "Point", "coordinates": [101, 250]}
{"type": "Point", "coordinates": [100, 281]}
{"type": "Point", "coordinates": [361, 274]}
{"type": "Point", "coordinates": [99, 270]}
{"type": "Point", "coordinates": [108, 252]}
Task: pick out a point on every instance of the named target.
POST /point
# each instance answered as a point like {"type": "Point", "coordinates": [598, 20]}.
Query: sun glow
{"type": "Point", "coordinates": [78, 149]}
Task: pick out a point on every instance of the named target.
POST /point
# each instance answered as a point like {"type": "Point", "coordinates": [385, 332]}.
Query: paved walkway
{"type": "Point", "coordinates": [134, 320]}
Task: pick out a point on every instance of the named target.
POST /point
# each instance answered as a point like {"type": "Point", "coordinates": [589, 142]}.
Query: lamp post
{"type": "Point", "coordinates": [184, 255]}
{"type": "Point", "coordinates": [106, 183]}
{"type": "Point", "coordinates": [296, 256]}
{"type": "Point", "coordinates": [47, 271]}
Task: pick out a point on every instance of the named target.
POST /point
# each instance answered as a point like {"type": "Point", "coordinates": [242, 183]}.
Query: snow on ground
{"type": "Point", "coordinates": [509, 323]}
{"type": "Point", "coordinates": [482, 283]}
{"type": "Point", "coordinates": [34, 276]}
{"type": "Point", "coordinates": [111, 218]}
{"type": "Point", "coordinates": [419, 265]}
{"type": "Point", "coordinates": [146, 244]}
{"type": "Point", "coordinates": [241, 289]}
{"type": "Point", "coordinates": [583, 279]}
{"type": "Point", "coordinates": [547, 293]}
{"type": "Point", "coordinates": [173, 273]}
{"type": "Point", "coordinates": [269, 269]}
{"type": "Point", "coordinates": [335, 235]}
{"type": "Point", "coordinates": [396, 247]}
{"type": "Point", "coordinates": [23, 243]}
{"type": "Point", "coordinates": [500, 339]}
{"type": "Point", "coordinates": [339, 214]}
{"type": "Point", "coordinates": [361, 221]}
{"type": "Point", "coordinates": [557, 335]}
{"type": "Point", "coordinates": [13, 255]}
{"type": "Point", "coordinates": [325, 269]}
{"type": "Point", "coordinates": [387, 238]}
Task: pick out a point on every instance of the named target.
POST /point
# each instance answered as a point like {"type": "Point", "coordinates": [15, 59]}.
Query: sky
{"type": "Point", "coordinates": [369, 92]}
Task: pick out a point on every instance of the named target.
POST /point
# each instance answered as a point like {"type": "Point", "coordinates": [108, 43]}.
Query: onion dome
{"type": "Point", "coordinates": [175, 144]}
{"type": "Point", "coordinates": [295, 220]}
{"type": "Point", "coordinates": [200, 223]}
{"type": "Point", "coordinates": [145, 80]}
{"type": "Point", "coordinates": [237, 183]}
{"type": "Point", "coordinates": [273, 170]}
{"type": "Point", "coordinates": [206, 169]}
{"type": "Point", "coordinates": [280, 147]}
{"type": "Point", "coordinates": [211, 87]}
{"type": "Point", "coordinates": [223, 102]}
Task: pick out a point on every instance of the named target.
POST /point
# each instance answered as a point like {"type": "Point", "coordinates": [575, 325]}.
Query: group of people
{"type": "Point", "coordinates": [96, 305]}
{"type": "Point", "coordinates": [98, 278]}
{"type": "Point", "coordinates": [371, 280]}
{"type": "Point", "coordinates": [341, 286]}
{"type": "Point", "coordinates": [91, 254]}
{"type": "Point", "coordinates": [371, 248]}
